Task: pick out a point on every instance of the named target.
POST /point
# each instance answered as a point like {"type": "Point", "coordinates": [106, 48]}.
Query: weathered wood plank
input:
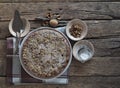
{"type": "Point", "coordinates": [36, 1]}
{"type": "Point", "coordinates": [83, 10]}
{"type": "Point", "coordinates": [3, 47]}
{"type": "Point", "coordinates": [5, 1]}
{"type": "Point", "coordinates": [64, 0]}
{"type": "Point", "coordinates": [97, 66]}
{"type": "Point", "coordinates": [107, 65]}
{"type": "Point", "coordinates": [3, 65]}
{"type": "Point", "coordinates": [3, 57]}
{"type": "Point", "coordinates": [75, 82]}
{"type": "Point", "coordinates": [4, 32]}
{"type": "Point", "coordinates": [106, 43]}
{"type": "Point", "coordinates": [104, 35]}
{"type": "Point", "coordinates": [102, 29]}
{"type": "Point", "coordinates": [106, 47]}
{"type": "Point", "coordinates": [97, 29]}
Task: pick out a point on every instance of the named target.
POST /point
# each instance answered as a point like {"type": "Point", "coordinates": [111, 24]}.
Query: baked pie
{"type": "Point", "coordinates": [45, 53]}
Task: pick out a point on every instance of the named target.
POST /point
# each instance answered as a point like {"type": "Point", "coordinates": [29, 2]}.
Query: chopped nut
{"type": "Point", "coordinates": [53, 22]}
{"type": "Point", "coordinates": [76, 30]}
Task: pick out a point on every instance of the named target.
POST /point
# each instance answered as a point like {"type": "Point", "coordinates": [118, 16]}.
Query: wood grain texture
{"type": "Point", "coordinates": [103, 66]}
{"type": "Point", "coordinates": [4, 31]}
{"type": "Point", "coordinates": [66, 0]}
{"type": "Point", "coordinates": [106, 47]}
{"type": "Point", "coordinates": [5, 1]}
{"type": "Point", "coordinates": [97, 66]}
{"type": "Point", "coordinates": [103, 29]}
{"type": "Point", "coordinates": [103, 20]}
{"type": "Point", "coordinates": [105, 38]}
{"type": "Point", "coordinates": [82, 10]}
{"type": "Point", "coordinates": [3, 57]}
{"type": "Point", "coordinates": [2, 65]}
{"type": "Point", "coordinates": [36, 1]}
{"type": "Point", "coordinates": [74, 82]}
{"type": "Point", "coordinates": [97, 29]}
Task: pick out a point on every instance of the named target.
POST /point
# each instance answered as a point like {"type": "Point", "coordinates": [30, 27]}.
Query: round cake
{"type": "Point", "coordinates": [45, 53]}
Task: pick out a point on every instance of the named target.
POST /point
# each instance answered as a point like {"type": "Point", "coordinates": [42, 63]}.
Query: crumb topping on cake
{"type": "Point", "coordinates": [45, 53]}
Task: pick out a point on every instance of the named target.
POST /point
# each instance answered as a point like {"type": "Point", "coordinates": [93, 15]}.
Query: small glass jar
{"type": "Point", "coordinates": [83, 50]}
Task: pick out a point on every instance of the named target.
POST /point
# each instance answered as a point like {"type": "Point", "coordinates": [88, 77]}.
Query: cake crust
{"type": "Point", "coordinates": [45, 53]}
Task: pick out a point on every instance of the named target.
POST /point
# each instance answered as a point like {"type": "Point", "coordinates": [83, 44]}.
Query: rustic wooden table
{"type": "Point", "coordinates": [103, 20]}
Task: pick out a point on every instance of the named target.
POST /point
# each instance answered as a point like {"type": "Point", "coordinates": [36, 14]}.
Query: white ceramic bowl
{"type": "Point", "coordinates": [83, 50]}
{"type": "Point", "coordinates": [83, 32]}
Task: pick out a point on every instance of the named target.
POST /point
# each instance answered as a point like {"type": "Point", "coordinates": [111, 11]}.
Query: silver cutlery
{"type": "Point", "coordinates": [17, 27]}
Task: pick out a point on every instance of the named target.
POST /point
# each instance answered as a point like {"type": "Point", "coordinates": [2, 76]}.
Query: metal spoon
{"type": "Point", "coordinates": [17, 27]}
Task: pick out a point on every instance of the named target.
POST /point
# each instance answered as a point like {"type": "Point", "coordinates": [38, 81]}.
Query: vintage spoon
{"type": "Point", "coordinates": [17, 27]}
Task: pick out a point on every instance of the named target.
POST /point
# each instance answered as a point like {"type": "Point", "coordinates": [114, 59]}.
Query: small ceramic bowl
{"type": "Point", "coordinates": [83, 50]}
{"type": "Point", "coordinates": [83, 31]}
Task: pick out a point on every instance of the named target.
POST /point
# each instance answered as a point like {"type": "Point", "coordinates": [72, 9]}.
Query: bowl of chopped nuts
{"type": "Point", "coordinates": [76, 29]}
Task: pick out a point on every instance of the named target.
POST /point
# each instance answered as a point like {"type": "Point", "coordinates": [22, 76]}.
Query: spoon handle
{"type": "Point", "coordinates": [17, 43]}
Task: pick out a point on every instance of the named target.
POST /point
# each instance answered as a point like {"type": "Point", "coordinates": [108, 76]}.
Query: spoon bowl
{"type": "Point", "coordinates": [23, 31]}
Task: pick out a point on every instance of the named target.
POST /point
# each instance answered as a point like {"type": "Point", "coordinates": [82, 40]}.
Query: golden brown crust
{"type": "Point", "coordinates": [45, 53]}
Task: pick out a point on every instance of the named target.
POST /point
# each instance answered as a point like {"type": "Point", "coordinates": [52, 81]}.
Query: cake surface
{"type": "Point", "coordinates": [45, 53]}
